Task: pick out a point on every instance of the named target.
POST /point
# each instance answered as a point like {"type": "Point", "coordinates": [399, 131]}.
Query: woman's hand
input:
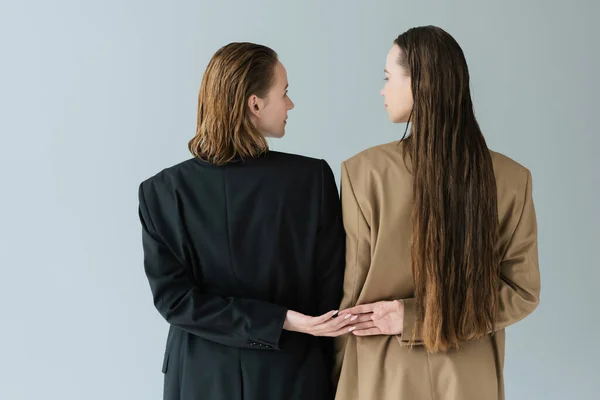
{"type": "Point", "coordinates": [380, 318]}
{"type": "Point", "coordinates": [329, 324]}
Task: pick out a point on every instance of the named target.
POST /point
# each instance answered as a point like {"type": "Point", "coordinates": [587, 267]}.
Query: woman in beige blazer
{"type": "Point", "coordinates": [441, 250]}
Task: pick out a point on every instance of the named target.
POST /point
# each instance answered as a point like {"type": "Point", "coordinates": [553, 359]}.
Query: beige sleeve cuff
{"type": "Point", "coordinates": [410, 323]}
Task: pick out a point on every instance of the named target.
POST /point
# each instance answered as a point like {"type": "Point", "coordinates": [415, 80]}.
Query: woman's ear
{"type": "Point", "coordinates": [255, 105]}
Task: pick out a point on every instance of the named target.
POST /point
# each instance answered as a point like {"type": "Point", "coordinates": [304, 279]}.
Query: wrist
{"type": "Point", "coordinates": [289, 324]}
{"type": "Point", "coordinates": [399, 304]}
{"type": "Point", "coordinates": [286, 322]}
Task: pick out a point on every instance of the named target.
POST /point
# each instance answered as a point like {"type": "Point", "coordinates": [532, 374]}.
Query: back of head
{"type": "Point", "coordinates": [224, 130]}
{"type": "Point", "coordinates": [455, 221]}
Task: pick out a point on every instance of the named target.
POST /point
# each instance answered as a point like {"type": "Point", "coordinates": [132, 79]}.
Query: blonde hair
{"type": "Point", "coordinates": [224, 130]}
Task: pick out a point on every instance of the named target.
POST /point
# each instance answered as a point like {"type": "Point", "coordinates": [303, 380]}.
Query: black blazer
{"type": "Point", "coordinates": [227, 251]}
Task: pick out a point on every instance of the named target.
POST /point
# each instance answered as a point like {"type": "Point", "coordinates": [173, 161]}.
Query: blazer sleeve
{"type": "Point", "coordinates": [231, 321]}
{"type": "Point", "coordinates": [329, 245]}
{"type": "Point", "coordinates": [329, 255]}
{"type": "Point", "coordinates": [519, 270]}
{"type": "Point", "coordinates": [519, 288]}
{"type": "Point", "coordinates": [358, 255]}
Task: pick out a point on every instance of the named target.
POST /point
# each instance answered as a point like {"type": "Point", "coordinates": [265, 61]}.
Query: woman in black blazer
{"type": "Point", "coordinates": [237, 237]}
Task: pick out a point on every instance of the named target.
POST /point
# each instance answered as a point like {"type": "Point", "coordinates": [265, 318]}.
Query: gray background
{"type": "Point", "coordinates": [95, 96]}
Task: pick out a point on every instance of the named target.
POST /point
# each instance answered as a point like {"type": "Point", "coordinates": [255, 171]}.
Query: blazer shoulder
{"type": "Point", "coordinates": [304, 165]}
{"type": "Point", "coordinates": [374, 152]}
{"type": "Point", "coordinates": [295, 159]}
{"type": "Point", "coordinates": [504, 162]}
{"type": "Point", "coordinates": [509, 173]}
{"type": "Point", "coordinates": [374, 159]}
{"type": "Point", "coordinates": [164, 179]}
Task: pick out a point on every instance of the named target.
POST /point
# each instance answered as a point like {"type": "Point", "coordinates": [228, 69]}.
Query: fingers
{"type": "Point", "coordinates": [343, 331]}
{"type": "Point", "coordinates": [338, 323]}
{"type": "Point", "coordinates": [363, 318]}
{"type": "Point", "coordinates": [333, 325]}
{"type": "Point", "coordinates": [348, 326]}
{"type": "Point", "coordinates": [360, 309]}
{"type": "Point", "coordinates": [366, 328]}
{"type": "Point", "coordinates": [324, 318]}
{"type": "Point", "coordinates": [366, 332]}
{"type": "Point", "coordinates": [364, 325]}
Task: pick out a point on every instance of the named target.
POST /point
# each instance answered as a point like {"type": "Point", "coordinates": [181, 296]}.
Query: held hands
{"type": "Point", "coordinates": [329, 324]}
{"type": "Point", "coordinates": [380, 318]}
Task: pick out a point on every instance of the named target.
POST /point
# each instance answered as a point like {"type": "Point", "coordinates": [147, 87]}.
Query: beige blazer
{"type": "Point", "coordinates": [376, 202]}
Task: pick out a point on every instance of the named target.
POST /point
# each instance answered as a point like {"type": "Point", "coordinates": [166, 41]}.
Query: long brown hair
{"type": "Point", "coordinates": [224, 131]}
{"type": "Point", "coordinates": [455, 216]}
